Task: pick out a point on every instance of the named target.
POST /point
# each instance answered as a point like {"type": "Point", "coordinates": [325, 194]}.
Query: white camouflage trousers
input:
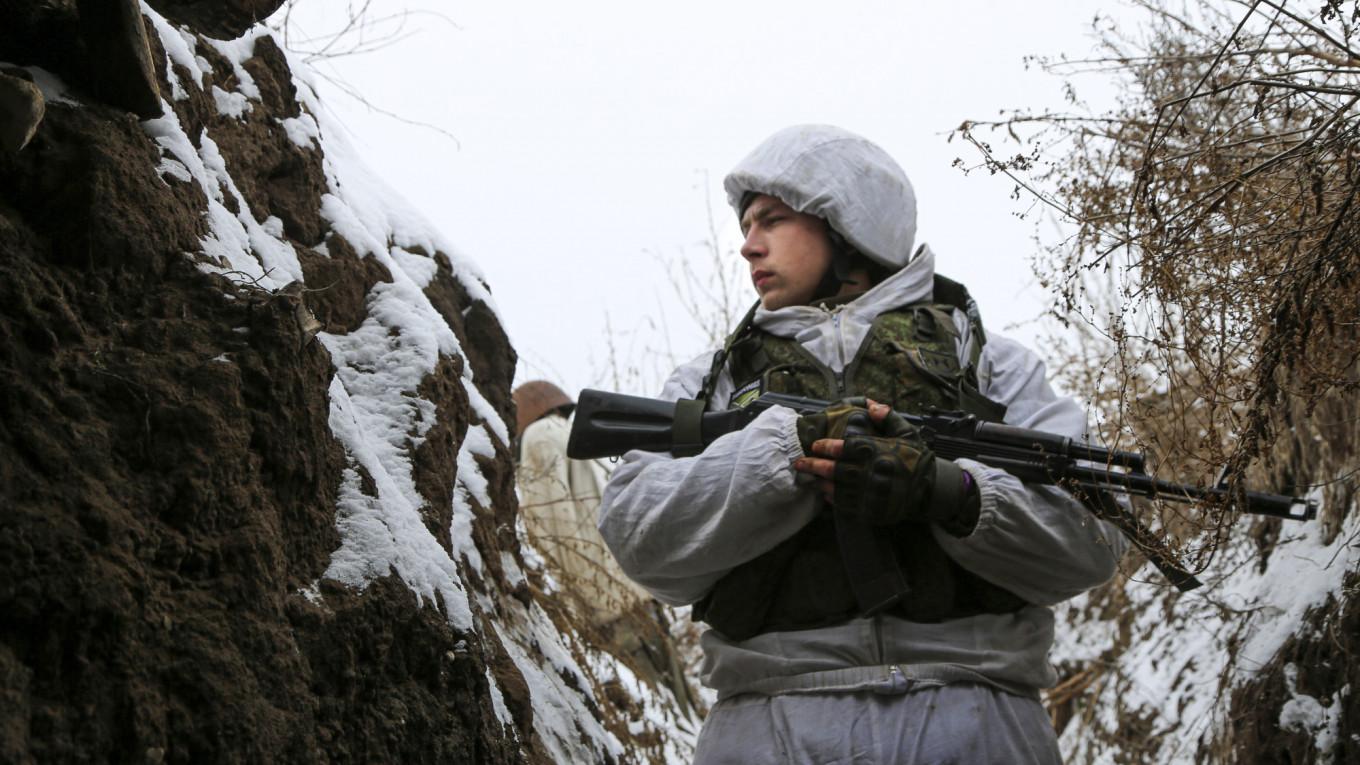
{"type": "Point", "coordinates": [957, 724]}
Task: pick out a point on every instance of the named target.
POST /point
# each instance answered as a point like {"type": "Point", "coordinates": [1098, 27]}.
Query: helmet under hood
{"type": "Point", "coordinates": [841, 177]}
{"type": "Point", "coordinates": [535, 399]}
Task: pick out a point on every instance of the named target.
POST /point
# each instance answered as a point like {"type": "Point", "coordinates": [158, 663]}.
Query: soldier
{"type": "Point", "coordinates": [559, 500]}
{"type": "Point", "coordinates": [745, 531]}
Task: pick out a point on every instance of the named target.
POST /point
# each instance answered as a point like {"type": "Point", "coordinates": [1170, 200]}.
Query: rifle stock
{"type": "Point", "coordinates": [611, 424]}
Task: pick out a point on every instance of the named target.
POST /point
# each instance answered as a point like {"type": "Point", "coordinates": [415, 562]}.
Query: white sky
{"type": "Point", "coordinates": [584, 131]}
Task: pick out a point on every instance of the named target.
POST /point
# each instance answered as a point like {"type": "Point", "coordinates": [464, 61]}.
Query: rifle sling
{"type": "Point", "coordinates": [687, 428]}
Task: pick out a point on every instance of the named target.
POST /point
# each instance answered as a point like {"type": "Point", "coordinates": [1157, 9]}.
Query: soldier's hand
{"type": "Point", "coordinates": [889, 475]}
{"type": "Point", "coordinates": [822, 435]}
{"type": "Point", "coordinates": [883, 481]}
{"type": "Point", "coordinates": [850, 415]}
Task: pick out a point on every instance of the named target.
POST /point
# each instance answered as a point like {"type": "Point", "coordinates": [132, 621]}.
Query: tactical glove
{"type": "Point", "coordinates": [889, 480]}
{"type": "Point", "coordinates": [886, 474]}
{"type": "Point", "coordinates": [842, 418]}
{"type": "Point", "coordinates": [882, 480]}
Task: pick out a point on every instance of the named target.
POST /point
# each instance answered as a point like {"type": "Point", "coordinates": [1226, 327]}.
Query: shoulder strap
{"type": "Point", "coordinates": [951, 293]}
{"type": "Point", "coordinates": [720, 356]}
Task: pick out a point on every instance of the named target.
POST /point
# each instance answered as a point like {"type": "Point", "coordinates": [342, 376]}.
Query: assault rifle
{"type": "Point", "coordinates": [610, 424]}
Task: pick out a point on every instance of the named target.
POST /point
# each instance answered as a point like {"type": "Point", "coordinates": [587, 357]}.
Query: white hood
{"type": "Point", "coordinates": [834, 174]}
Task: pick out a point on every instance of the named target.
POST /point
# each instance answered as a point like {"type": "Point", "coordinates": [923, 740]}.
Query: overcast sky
{"type": "Point", "coordinates": [588, 135]}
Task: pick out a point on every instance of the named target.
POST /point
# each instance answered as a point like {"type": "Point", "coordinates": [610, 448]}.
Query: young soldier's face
{"type": "Point", "coordinates": [788, 252]}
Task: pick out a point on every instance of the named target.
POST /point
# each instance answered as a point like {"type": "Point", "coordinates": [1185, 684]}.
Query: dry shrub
{"type": "Point", "coordinates": [1210, 275]}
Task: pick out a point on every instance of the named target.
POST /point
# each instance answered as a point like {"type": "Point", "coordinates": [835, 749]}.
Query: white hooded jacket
{"type": "Point", "coordinates": [678, 525]}
{"type": "Point", "coordinates": [558, 501]}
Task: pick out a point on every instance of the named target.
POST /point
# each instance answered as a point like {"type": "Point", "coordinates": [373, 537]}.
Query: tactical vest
{"type": "Point", "coordinates": [908, 360]}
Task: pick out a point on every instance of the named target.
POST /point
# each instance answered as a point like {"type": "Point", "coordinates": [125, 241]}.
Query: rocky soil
{"type": "Point", "coordinates": [173, 490]}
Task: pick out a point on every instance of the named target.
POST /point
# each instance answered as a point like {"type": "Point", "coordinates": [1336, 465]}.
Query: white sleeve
{"type": "Point", "coordinates": [678, 524]}
{"type": "Point", "coordinates": [1036, 541]}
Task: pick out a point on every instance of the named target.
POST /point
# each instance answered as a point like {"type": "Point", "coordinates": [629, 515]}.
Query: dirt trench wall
{"type": "Point", "coordinates": [206, 507]}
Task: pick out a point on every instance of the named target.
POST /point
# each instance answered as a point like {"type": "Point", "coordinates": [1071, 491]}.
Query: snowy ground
{"type": "Point", "coordinates": [1176, 669]}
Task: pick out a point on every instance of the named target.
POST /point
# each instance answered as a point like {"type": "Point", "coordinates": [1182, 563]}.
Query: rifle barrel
{"type": "Point", "coordinates": [1257, 502]}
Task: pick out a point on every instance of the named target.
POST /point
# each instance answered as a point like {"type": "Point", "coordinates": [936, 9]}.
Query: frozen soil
{"type": "Point", "coordinates": [1302, 706]}
{"type": "Point", "coordinates": [256, 492]}
{"type": "Point", "coordinates": [168, 475]}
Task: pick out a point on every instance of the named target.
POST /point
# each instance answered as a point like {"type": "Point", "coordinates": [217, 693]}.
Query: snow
{"type": "Point", "coordinates": [237, 52]}
{"type": "Point", "coordinates": [514, 577]}
{"type": "Point", "coordinates": [385, 533]}
{"type": "Point", "coordinates": [181, 49]}
{"type": "Point", "coordinates": [312, 594]}
{"type": "Point", "coordinates": [560, 712]}
{"type": "Point", "coordinates": [1305, 714]}
{"type": "Point", "coordinates": [241, 238]}
{"type": "Point", "coordinates": [237, 245]}
{"type": "Point", "coordinates": [174, 169]}
{"type": "Point", "coordinates": [302, 130]}
{"type": "Point", "coordinates": [471, 485]}
{"type": "Point", "coordinates": [420, 268]}
{"type": "Point", "coordinates": [498, 706]}
{"type": "Point", "coordinates": [376, 412]}
{"type": "Point", "coordinates": [657, 714]}
{"type": "Point", "coordinates": [1187, 654]}
{"type": "Point", "coordinates": [380, 365]}
{"type": "Point", "coordinates": [230, 104]}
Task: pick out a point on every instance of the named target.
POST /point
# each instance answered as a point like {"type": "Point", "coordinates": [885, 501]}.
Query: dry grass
{"type": "Point", "coordinates": [1211, 274]}
{"type": "Point", "coordinates": [1208, 296]}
